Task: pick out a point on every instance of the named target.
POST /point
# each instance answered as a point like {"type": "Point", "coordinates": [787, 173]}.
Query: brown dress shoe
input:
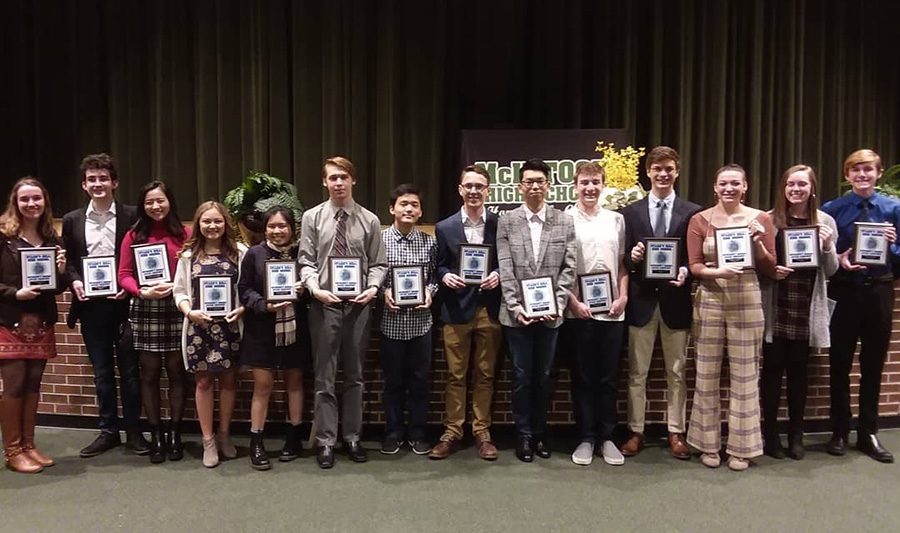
{"type": "Point", "coordinates": [633, 445]}
{"type": "Point", "coordinates": [486, 449]}
{"type": "Point", "coordinates": [678, 447]}
{"type": "Point", "coordinates": [443, 449]}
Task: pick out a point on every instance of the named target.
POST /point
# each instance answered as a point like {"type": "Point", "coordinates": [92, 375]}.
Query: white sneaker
{"type": "Point", "coordinates": [583, 454]}
{"type": "Point", "coordinates": [611, 454]}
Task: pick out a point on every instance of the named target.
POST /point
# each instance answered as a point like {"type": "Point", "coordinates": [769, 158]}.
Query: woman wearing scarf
{"type": "Point", "coordinates": [276, 336]}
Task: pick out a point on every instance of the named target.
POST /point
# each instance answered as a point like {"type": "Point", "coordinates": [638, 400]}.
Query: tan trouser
{"type": "Point", "coordinates": [485, 335]}
{"type": "Point", "coordinates": [640, 353]}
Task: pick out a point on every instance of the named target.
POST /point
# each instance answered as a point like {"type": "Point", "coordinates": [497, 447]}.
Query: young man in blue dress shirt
{"type": "Point", "coordinates": [865, 304]}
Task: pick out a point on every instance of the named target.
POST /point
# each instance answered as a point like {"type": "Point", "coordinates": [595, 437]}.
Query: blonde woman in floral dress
{"type": "Point", "coordinates": [210, 345]}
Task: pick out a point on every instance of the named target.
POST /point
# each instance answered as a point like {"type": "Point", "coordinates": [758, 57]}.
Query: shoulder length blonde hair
{"type": "Point", "coordinates": [11, 220]}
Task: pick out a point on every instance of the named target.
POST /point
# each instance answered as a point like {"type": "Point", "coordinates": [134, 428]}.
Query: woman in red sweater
{"type": "Point", "coordinates": [155, 321]}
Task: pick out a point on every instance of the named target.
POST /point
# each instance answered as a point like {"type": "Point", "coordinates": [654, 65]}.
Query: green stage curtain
{"type": "Point", "coordinates": [200, 92]}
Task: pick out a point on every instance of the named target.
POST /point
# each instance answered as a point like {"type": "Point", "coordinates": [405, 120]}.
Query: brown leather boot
{"type": "Point", "coordinates": [11, 426]}
{"type": "Point", "coordinates": [29, 417]}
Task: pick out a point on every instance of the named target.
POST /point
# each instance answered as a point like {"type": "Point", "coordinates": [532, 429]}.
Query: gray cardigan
{"type": "Point", "coordinates": [820, 307]}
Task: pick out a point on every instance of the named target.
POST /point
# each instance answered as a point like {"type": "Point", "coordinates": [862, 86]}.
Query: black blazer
{"type": "Point", "coordinates": [643, 295]}
{"type": "Point", "coordinates": [76, 248]}
{"type": "Point", "coordinates": [458, 306]}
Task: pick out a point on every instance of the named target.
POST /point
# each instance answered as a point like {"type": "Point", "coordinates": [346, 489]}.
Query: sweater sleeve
{"type": "Point", "coordinates": [696, 234]}
{"type": "Point", "coordinates": [182, 290]}
{"type": "Point", "coordinates": [247, 291]}
{"type": "Point", "coordinates": [766, 265]}
{"type": "Point", "coordinates": [127, 280]}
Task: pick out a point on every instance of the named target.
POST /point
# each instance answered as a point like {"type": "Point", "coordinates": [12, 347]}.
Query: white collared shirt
{"type": "Point", "coordinates": [536, 226]}
{"type": "Point", "coordinates": [601, 248]}
{"type": "Point", "coordinates": [474, 228]}
{"type": "Point", "coordinates": [100, 230]}
{"type": "Point", "coordinates": [653, 202]}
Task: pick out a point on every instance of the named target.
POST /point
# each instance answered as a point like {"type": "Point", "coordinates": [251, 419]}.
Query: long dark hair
{"type": "Point", "coordinates": [780, 211]}
{"type": "Point", "coordinates": [11, 220]}
{"type": "Point", "coordinates": [144, 223]}
{"type": "Point", "coordinates": [196, 243]}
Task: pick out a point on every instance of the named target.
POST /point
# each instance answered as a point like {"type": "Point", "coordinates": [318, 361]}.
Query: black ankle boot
{"type": "Point", "coordinates": [293, 444]}
{"type": "Point", "coordinates": [157, 444]}
{"type": "Point", "coordinates": [175, 448]}
{"type": "Point", "coordinates": [259, 459]}
{"type": "Point", "coordinates": [772, 447]}
{"type": "Point", "coordinates": [796, 450]}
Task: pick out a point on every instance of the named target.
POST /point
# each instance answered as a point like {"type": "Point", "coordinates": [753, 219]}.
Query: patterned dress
{"type": "Point", "coordinates": [212, 348]}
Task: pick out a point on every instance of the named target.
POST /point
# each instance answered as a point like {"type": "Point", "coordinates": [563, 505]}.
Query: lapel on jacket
{"type": "Point", "coordinates": [78, 235]}
{"type": "Point", "coordinates": [522, 214]}
{"type": "Point", "coordinates": [123, 224]}
{"type": "Point", "coordinates": [549, 222]}
{"type": "Point", "coordinates": [679, 211]}
{"type": "Point", "coordinates": [643, 213]}
{"type": "Point", "coordinates": [490, 227]}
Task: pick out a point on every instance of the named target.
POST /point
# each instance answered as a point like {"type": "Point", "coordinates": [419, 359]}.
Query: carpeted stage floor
{"type": "Point", "coordinates": [119, 491]}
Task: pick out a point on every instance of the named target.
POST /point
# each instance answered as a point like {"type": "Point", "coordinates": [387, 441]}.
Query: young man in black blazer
{"type": "Point", "coordinates": [97, 229]}
{"type": "Point", "coordinates": [657, 305]}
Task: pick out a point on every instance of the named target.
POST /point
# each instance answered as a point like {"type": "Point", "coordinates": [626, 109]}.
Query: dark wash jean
{"type": "Point", "coordinates": [532, 350]}
{"type": "Point", "coordinates": [406, 364]}
{"type": "Point", "coordinates": [101, 321]}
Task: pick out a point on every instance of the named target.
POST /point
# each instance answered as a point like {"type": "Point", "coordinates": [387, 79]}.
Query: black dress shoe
{"type": "Point", "coordinates": [837, 445]}
{"type": "Point", "coordinates": [796, 450]}
{"type": "Point", "coordinates": [356, 452]}
{"type": "Point", "coordinates": [541, 448]}
{"type": "Point", "coordinates": [174, 445]}
{"type": "Point", "coordinates": [869, 444]}
{"type": "Point", "coordinates": [135, 441]}
{"type": "Point", "coordinates": [259, 458]}
{"type": "Point", "coordinates": [104, 441]}
{"type": "Point", "coordinates": [325, 456]}
{"type": "Point", "coordinates": [523, 450]}
{"type": "Point", "coordinates": [157, 444]}
{"type": "Point", "coordinates": [773, 448]}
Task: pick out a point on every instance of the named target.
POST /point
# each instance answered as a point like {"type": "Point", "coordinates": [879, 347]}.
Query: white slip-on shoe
{"type": "Point", "coordinates": [611, 454]}
{"type": "Point", "coordinates": [583, 454]}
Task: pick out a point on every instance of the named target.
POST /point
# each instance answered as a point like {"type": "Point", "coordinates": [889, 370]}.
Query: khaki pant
{"type": "Point", "coordinates": [640, 353]}
{"type": "Point", "coordinates": [485, 334]}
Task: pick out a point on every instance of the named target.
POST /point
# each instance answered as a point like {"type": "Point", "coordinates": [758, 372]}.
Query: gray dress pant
{"type": "Point", "coordinates": [339, 332]}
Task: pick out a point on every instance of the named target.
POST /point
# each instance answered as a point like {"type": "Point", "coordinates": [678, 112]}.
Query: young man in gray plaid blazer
{"type": "Point", "coordinates": [533, 240]}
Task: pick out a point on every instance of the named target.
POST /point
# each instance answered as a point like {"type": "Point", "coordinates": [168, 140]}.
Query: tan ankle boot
{"type": "Point", "coordinates": [29, 417]}
{"type": "Point", "coordinates": [11, 427]}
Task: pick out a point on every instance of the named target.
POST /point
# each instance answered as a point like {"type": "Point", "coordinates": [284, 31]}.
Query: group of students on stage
{"type": "Point", "coordinates": [769, 313]}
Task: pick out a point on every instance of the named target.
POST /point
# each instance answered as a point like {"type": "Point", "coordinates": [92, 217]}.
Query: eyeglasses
{"type": "Point", "coordinates": [531, 182]}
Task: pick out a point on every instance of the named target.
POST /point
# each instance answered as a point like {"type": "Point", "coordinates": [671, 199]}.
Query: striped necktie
{"type": "Point", "coordinates": [340, 234]}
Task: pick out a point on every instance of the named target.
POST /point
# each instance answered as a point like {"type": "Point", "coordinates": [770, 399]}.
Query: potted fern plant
{"type": "Point", "coordinates": [254, 196]}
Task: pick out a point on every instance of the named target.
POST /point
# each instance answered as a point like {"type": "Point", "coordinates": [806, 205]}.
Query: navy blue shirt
{"type": "Point", "coordinates": [846, 211]}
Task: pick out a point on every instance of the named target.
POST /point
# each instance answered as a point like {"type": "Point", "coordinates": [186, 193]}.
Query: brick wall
{"type": "Point", "coordinates": [68, 384]}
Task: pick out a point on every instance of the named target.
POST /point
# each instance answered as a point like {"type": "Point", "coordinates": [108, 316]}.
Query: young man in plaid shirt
{"type": "Point", "coordinates": [406, 330]}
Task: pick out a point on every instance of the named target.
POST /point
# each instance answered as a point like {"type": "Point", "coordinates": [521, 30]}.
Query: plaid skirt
{"type": "Point", "coordinates": [155, 325]}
